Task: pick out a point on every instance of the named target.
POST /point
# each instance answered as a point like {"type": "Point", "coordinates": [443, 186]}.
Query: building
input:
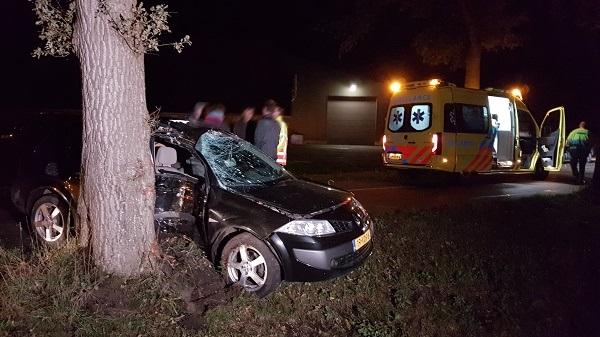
{"type": "Point", "coordinates": [337, 108]}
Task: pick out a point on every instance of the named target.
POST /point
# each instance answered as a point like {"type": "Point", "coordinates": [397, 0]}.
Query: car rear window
{"type": "Point", "coordinates": [466, 118]}
{"type": "Point", "coordinates": [410, 117]}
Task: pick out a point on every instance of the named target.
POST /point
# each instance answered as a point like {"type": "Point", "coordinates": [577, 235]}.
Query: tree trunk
{"type": "Point", "coordinates": [117, 195]}
{"type": "Point", "coordinates": [473, 57]}
{"type": "Point", "coordinates": [596, 177]}
{"type": "Point", "coordinates": [473, 65]}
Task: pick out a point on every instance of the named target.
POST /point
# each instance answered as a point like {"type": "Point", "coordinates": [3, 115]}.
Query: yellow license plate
{"type": "Point", "coordinates": [361, 240]}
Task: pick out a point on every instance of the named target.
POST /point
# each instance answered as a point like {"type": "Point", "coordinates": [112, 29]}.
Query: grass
{"type": "Point", "coordinates": [514, 268]}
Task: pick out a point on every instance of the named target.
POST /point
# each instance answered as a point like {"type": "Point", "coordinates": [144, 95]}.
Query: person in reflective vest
{"type": "Point", "coordinates": [283, 138]}
{"type": "Point", "coordinates": [579, 145]}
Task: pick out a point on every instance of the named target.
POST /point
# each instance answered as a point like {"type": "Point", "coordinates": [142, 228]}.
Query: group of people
{"type": "Point", "coordinates": [269, 133]}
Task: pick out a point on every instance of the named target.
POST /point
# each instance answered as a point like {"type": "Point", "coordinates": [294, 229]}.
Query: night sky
{"type": "Point", "coordinates": [245, 51]}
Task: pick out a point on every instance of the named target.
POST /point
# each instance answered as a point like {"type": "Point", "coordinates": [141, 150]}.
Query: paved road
{"type": "Point", "coordinates": [396, 197]}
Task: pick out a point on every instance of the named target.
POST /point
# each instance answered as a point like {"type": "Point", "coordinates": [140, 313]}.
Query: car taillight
{"type": "Point", "coordinates": [436, 139]}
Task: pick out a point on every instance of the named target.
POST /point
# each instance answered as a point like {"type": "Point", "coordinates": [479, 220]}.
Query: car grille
{"type": "Point", "coordinates": [342, 226]}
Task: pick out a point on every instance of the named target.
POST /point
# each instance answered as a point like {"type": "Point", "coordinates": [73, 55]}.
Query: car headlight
{"type": "Point", "coordinates": [307, 227]}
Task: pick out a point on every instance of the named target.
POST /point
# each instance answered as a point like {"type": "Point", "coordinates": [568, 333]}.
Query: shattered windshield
{"type": "Point", "coordinates": [237, 163]}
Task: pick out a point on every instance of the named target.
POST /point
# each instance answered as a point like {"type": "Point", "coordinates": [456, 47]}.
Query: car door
{"type": "Point", "coordinates": [180, 187]}
{"type": "Point", "coordinates": [551, 144]}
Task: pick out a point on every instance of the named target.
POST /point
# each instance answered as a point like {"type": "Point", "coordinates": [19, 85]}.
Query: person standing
{"type": "Point", "coordinates": [266, 136]}
{"type": "Point", "coordinates": [579, 143]}
{"type": "Point", "coordinates": [283, 137]}
{"type": "Point", "coordinates": [215, 117]}
{"type": "Point", "coordinates": [242, 126]}
{"type": "Point", "coordinates": [195, 118]}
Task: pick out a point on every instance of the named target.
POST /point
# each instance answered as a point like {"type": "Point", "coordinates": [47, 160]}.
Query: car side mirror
{"type": "Point", "coordinates": [330, 182]}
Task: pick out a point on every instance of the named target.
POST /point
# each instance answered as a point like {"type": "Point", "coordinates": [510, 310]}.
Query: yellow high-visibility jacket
{"type": "Point", "coordinates": [283, 142]}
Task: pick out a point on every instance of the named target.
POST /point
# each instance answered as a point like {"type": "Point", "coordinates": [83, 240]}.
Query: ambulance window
{"type": "Point", "coordinates": [396, 119]}
{"type": "Point", "coordinates": [466, 118]}
{"type": "Point", "coordinates": [420, 117]}
{"type": "Point", "coordinates": [450, 121]}
{"type": "Point", "coordinates": [526, 124]}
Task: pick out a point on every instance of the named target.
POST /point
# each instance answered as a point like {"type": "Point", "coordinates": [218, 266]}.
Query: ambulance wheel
{"type": "Point", "coordinates": [540, 173]}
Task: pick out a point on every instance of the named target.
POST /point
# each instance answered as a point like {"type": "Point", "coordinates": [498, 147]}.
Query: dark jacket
{"type": "Point", "coordinates": [245, 130]}
{"type": "Point", "coordinates": [266, 136]}
{"type": "Point", "coordinates": [239, 129]}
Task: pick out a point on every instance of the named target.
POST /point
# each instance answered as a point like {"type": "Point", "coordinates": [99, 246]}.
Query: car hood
{"type": "Point", "coordinates": [298, 198]}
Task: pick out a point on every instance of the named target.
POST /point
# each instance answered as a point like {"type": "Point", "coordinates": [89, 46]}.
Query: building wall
{"type": "Point", "coordinates": [309, 106]}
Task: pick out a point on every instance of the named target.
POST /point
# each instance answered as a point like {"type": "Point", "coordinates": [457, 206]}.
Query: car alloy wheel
{"type": "Point", "coordinates": [247, 266]}
{"type": "Point", "coordinates": [49, 220]}
{"type": "Point", "coordinates": [248, 262]}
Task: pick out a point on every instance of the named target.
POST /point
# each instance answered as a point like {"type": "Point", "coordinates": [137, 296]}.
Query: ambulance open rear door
{"type": "Point", "coordinates": [551, 143]}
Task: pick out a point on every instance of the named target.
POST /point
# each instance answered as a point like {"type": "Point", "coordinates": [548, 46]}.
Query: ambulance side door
{"type": "Point", "coordinates": [472, 126]}
{"type": "Point", "coordinates": [552, 139]}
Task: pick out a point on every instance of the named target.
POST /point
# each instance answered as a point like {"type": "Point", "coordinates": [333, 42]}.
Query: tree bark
{"type": "Point", "coordinates": [596, 177]}
{"type": "Point", "coordinates": [473, 57]}
{"type": "Point", "coordinates": [473, 65]}
{"type": "Point", "coordinates": [117, 195]}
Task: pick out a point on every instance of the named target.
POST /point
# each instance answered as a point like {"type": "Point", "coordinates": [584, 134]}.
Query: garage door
{"type": "Point", "coordinates": [351, 122]}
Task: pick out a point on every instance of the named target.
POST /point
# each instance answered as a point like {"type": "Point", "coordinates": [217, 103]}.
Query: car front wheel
{"type": "Point", "coordinates": [248, 262]}
{"type": "Point", "coordinates": [49, 220]}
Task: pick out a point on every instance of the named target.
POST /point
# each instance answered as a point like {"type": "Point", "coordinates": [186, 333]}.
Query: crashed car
{"type": "Point", "coordinates": [256, 221]}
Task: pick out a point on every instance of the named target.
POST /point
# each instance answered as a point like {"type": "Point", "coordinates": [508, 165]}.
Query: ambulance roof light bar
{"type": "Point", "coordinates": [515, 92]}
{"type": "Point", "coordinates": [428, 83]}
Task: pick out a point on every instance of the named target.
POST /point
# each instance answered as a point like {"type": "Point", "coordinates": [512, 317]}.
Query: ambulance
{"type": "Point", "coordinates": [434, 125]}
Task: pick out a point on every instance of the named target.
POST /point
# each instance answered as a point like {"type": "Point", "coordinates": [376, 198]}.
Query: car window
{"type": "Point", "coordinates": [237, 163]}
{"type": "Point", "coordinates": [410, 117]}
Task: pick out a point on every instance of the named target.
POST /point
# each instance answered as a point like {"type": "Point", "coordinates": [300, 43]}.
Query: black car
{"type": "Point", "coordinates": [258, 222]}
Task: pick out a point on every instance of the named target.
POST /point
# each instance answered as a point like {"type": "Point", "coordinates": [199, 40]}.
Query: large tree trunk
{"type": "Point", "coordinates": [117, 196]}
{"type": "Point", "coordinates": [473, 65]}
{"type": "Point", "coordinates": [596, 177]}
{"type": "Point", "coordinates": [473, 57]}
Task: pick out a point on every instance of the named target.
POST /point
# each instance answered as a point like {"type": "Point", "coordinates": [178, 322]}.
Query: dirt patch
{"type": "Point", "coordinates": [186, 283]}
{"type": "Point", "coordinates": [109, 298]}
{"type": "Point", "coordinates": [193, 278]}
